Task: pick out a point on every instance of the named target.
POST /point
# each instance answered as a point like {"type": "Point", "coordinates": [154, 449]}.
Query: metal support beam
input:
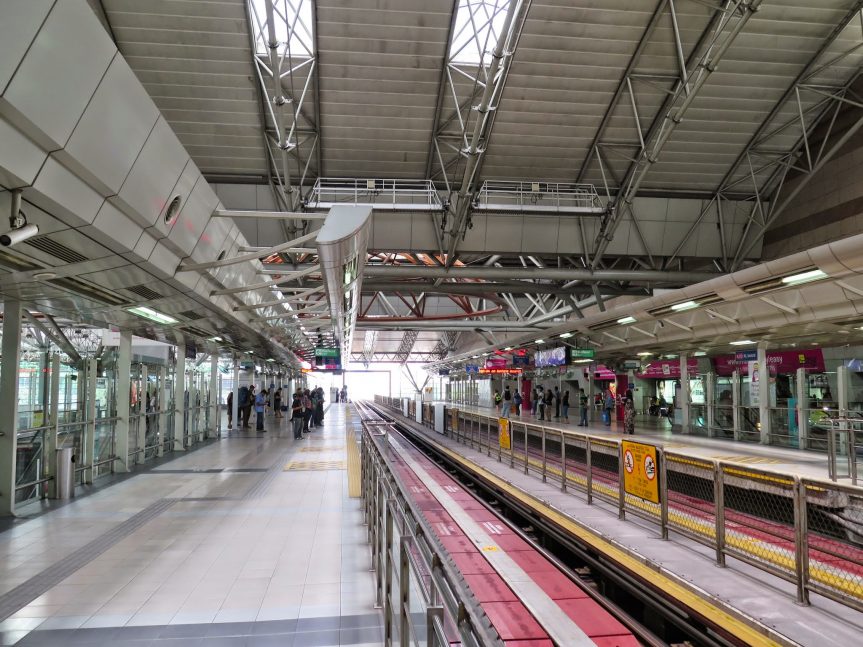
{"type": "Point", "coordinates": [242, 258]}
{"type": "Point", "coordinates": [268, 215]}
{"type": "Point", "coordinates": [11, 357]}
{"type": "Point", "coordinates": [548, 273]}
{"type": "Point", "coordinates": [53, 332]}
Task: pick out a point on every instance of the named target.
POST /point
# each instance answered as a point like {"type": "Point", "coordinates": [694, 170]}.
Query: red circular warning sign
{"type": "Point", "coordinates": [628, 461]}
{"type": "Point", "coordinates": [649, 467]}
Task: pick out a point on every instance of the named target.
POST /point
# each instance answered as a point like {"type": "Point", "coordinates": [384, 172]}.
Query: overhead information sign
{"type": "Point", "coordinates": [582, 353]}
{"type": "Point", "coordinates": [640, 470]}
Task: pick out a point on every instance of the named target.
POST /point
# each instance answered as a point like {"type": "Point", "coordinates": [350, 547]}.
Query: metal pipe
{"type": "Point", "coordinates": [547, 273]}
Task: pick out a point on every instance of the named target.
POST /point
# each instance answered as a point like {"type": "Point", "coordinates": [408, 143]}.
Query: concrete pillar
{"type": "Point", "coordinates": [710, 399]}
{"type": "Point", "coordinates": [164, 397]}
{"type": "Point", "coordinates": [179, 395]}
{"type": "Point", "coordinates": [683, 394]}
{"type": "Point", "coordinates": [194, 412]}
{"type": "Point", "coordinates": [121, 428]}
{"type": "Point", "coordinates": [802, 394]}
{"type": "Point", "coordinates": [236, 399]}
{"type": "Point", "coordinates": [89, 444]}
{"type": "Point", "coordinates": [141, 438]}
{"type": "Point", "coordinates": [842, 388]}
{"type": "Point", "coordinates": [49, 459]}
{"type": "Point", "coordinates": [11, 350]}
{"type": "Point", "coordinates": [215, 429]}
{"type": "Point", "coordinates": [763, 394]}
{"type": "Point", "coordinates": [735, 403]}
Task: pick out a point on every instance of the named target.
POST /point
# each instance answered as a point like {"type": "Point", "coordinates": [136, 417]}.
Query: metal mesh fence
{"type": "Point", "coordinates": [691, 497]}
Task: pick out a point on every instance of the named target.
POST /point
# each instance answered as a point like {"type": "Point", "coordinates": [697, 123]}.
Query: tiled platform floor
{"type": "Point", "coordinates": [186, 555]}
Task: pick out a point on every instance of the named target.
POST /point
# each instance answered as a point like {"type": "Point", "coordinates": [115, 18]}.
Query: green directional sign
{"type": "Point", "coordinates": [327, 352]}
{"type": "Point", "coordinates": [582, 353]}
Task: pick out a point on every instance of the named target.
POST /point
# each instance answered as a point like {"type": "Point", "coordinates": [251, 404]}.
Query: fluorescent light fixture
{"type": "Point", "coordinates": [508, 348]}
{"type": "Point", "coordinates": [474, 356]}
{"type": "Point", "coordinates": [565, 335]}
{"type": "Point", "coordinates": [699, 353]}
{"type": "Point", "coordinates": [644, 353]}
{"type": "Point", "coordinates": [247, 352]}
{"type": "Point", "coordinates": [804, 277]}
{"type": "Point", "coordinates": [742, 342]}
{"type": "Point", "coordinates": [215, 339]}
{"type": "Point", "coordinates": [152, 315]}
{"type": "Point", "coordinates": [581, 361]}
{"type": "Point", "coordinates": [627, 320]}
{"type": "Point", "coordinates": [271, 359]}
{"type": "Point", "coordinates": [540, 341]}
{"type": "Point", "coordinates": [686, 305]}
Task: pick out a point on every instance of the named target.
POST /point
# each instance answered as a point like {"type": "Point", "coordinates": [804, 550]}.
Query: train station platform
{"type": "Point", "coordinates": [809, 464]}
{"type": "Point", "coordinates": [251, 540]}
{"type": "Point", "coordinates": [726, 555]}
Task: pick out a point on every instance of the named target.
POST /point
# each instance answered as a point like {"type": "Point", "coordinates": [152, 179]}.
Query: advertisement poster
{"type": "Point", "coordinates": [754, 382]}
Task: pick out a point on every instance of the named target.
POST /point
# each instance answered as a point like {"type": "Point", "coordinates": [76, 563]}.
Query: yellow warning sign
{"type": "Point", "coordinates": [640, 470]}
{"type": "Point", "coordinates": [503, 432]}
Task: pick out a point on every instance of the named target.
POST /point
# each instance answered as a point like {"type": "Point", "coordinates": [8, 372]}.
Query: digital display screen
{"type": "Point", "coordinates": [550, 357]}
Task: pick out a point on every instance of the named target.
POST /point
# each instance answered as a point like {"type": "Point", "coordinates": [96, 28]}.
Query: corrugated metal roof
{"type": "Point", "coordinates": [194, 60]}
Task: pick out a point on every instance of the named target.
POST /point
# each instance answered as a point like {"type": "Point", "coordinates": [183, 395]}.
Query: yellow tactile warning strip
{"type": "Point", "coordinates": [312, 466]}
{"type": "Point", "coordinates": [699, 605]}
{"type": "Point", "coordinates": [752, 460]}
{"type": "Point", "coordinates": [354, 466]}
{"type": "Point", "coordinates": [334, 448]}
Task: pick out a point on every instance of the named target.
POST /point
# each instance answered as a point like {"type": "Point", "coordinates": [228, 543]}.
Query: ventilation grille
{"type": "Point", "coordinates": [144, 292]}
{"type": "Point", "coordinates": [90, 291]}
{"type": "Point", "coordinates": [55, 249]}
{"type": "Point", "coordinates": [196, 332]}
{"type": "Point", "coordinates": [191, 315]}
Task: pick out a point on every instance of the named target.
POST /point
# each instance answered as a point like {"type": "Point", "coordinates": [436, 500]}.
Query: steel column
{"type": "Point", "coordinates": [121, 428]}
{"type": "Point", "coordinates": [11, 358]}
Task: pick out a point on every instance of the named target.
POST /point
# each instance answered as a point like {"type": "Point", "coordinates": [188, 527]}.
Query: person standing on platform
{"type": "Point", "coordinates": [319, 407]}
{"type": "Point", "coordinates": [345, 393]}
{"type": "Point", "coordinates": [608, 407]}
{"type": "Point", "coordinates": [242, 397]}
{"type": "Point", "coordinates": [277, 402]}
{"type": "Point", "coordinates": [260, 406]}
{"type": "Point", "coordinates": [537, 400]}
{"type": "Point", "coordinates": [507, 403]}
{"type": "Point", "coordinates": [557, 403]}
{"type": "Point", "coordinates": [629, 413]}
{"type": "Point", "coordinates": [297, 415]}
{"type": "Point", "coordinates": [516, 402]}
{"type": "Point", "coordinates": [307, 411]}
{"type": "Point", "coordinates": [230, 402]}
{"type": "Point", "coordinates": [549, 403]}
{"type": "Point", "coordinates": [582, 403]}
{"type": "Point", "coordinates": [250, 401]}
{"type": "Point", "coordinates": [540, 403]}
{"type": "Point", "coordinates": [565, 406]}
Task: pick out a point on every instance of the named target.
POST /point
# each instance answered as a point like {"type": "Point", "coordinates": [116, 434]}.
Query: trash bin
{"type": "Point", "coordinates": [65, 477]}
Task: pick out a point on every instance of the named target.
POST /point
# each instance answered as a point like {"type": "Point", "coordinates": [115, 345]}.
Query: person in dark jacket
{"type": "Point", "coordinates": [260, 406]}
{"type": "Point", "coordinates": [242, 398]}
{"type": "Point", "coordinates": [230, 409]}
{"type": "Point", "coordinates": [297, 414]}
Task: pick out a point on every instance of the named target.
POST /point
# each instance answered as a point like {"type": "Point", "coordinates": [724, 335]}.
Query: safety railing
{"type": "Point", "coordinates": [806, 531]}
{"type": "Point", "coordinates": [539, 197]}
{"type": "Point", "coordinates": [424, 599]}
{"type": "Point", "coordinates": [381, 194]}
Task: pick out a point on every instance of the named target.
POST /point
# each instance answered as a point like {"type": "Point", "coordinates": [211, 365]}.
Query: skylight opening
{"type": "Point", "coordinates": [478, 25]}
{"type": "Point", "coordinates": [292, 17]}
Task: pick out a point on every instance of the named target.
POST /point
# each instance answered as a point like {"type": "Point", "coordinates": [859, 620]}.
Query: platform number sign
{"type": "Point", "coordinates": [640, 470]}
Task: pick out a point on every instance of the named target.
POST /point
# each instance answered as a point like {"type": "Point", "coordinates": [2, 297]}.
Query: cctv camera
{"type": "Point", "coordinates": [18, 235]}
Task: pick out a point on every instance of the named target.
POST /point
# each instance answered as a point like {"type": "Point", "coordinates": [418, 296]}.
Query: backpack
{"type": "Point", "coordinates": [517, 398]}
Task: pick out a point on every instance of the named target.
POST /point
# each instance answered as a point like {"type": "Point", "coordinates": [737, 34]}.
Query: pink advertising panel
{"type": "Point", "coordinates": [785, 362]}
{"type": "Point", "coordinates": [603, 373]}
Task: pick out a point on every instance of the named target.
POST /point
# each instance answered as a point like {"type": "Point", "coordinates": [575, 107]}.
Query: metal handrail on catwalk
{"type": "Point", "coordinates": [806, 531]}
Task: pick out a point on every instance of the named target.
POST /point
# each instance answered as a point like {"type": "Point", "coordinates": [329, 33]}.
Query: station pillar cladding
{"type": "Point", "coordinates": [526, 390]}
{"type": "Point", "coordinates": [622, 382]}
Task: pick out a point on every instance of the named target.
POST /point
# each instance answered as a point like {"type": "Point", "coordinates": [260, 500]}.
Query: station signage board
{"type": "Point", "coordinates": [471, 368]}
{"type": "Point", "coordinates": [784, 362]}
{"type": "Point", "coordinates": [500, 371]}
{"type": "Point", "coordinates": [520, 360]}
{"type": "Point", "coordinates": [582, 353]}
{"type": "Point", "coordinates": [640, 470]}
{"type": "Point", "coordinates": [664, 369]}
{"type": "Point", "coordinates": [495, 362]}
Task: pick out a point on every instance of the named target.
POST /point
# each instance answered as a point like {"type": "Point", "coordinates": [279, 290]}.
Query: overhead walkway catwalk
{"type": "Point", "coordinates": [788, 587]}
{"type": "Point", "coordinates": [251, 540]}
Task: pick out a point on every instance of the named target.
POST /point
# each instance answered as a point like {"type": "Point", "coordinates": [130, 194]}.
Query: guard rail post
{"type": "Point", "coordinates": [621, 490]}
{"type": "Point", "coordinates": [511, 447]}
{"type": "Point", "coordinates": [434, 618]}
{"type": "Point", "coordinates": [663, 493]}
{"type": "Point", "coordinates": [562, 461]}
{"type": "Point", "coordinates": [526, 459]}
{"type": "Point", "coordinates": [801, 542]}
{"type": "Point", "coordinates": [588, 462]}
{"type": "Point", "coordinates": [544, 460]}
{"type": "Point", "coordinates": [404, 591]}
{"type": "Point", "coordinates": [719, 512]}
